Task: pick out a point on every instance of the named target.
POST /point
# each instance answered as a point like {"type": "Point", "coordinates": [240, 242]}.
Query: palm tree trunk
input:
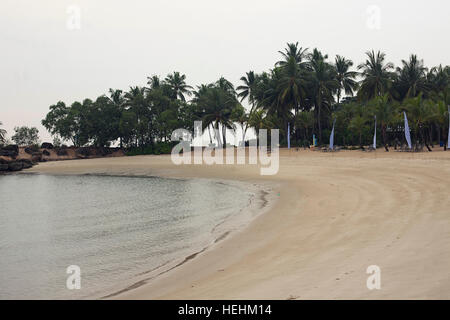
{"type": "Point", "coordinates": [224, 134]}
{"type": "Point", "coordinates": [209, 132]}
{"type": "Point", "coordinates": [318, 119]}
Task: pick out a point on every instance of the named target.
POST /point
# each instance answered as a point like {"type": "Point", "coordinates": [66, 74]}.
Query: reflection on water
{"type": "Point", "coordinates": [112, 227]}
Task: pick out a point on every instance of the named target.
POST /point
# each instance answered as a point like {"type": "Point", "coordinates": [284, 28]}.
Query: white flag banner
{"type": "Point", "coordinates": [332, 136]}
{"type": "Point", "coordinates": [448, 137]}
{"type": "Point", "coordinates": [375, 134]}
{"type": "Point", "coordinates": [289, 136]}
{"type": "Point", "coordinates": [407, 132]}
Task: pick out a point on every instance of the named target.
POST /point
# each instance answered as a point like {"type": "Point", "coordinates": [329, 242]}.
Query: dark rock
{"type": "Point", "coordinates": [15, 165]}
{"type": "Point", "coordinates": [45, 153]}
{"type": "Point", "coordinates": [4, 167]}
{"type": "Point", "coordinates": [11, 150]}
{"type": "Point", "coordinates": [36, 157]}
{"type": "Point", "coordinates": [47, 145]}
{"type": "Point", "coordinates": [11, 147]}
{"type": "Point", "coordinates": [61, 151]}
{"type": "Point", "coordinates": [29, 150]}
{"type": "Point", "coordinates": [83, 152]}
{"type": "Point", "coordinates": [26, 163]}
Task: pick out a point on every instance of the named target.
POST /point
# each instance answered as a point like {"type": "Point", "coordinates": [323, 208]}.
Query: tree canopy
{"type": "Point", "coordinates": [305, 88]}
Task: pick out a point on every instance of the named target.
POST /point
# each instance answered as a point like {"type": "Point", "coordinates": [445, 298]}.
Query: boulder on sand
{"type": "Point", "coordinates": [15, 165]}
{"type": "Point", "coordinates": [47, 145]}
{"type": "Point", "coordinates": [26, 163]}
{"type": "Point", "coordinates": [11, 150]}
{"type": "Point", "coordinates": [36, 157]}
{"type": "Point", "coordinates": [45, 153]}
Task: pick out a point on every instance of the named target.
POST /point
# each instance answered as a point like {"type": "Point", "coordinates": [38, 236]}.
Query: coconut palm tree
{"type": "Point", "coordinates": [226, 86]}
{"type": "Point", "coordinates": [291, 87]}
{"type": "Point", "coordinates": [305, 120]}
{"type": "Point", "coordinates": [345, 77]}
{"type": "Point", "coordinates": [135, 101]}
{"type": "Point", "coordinates": [154, 82]}
{"type": "Point", "coordinates": [358, 124]}
{"type": "Point", "coordinates": [323, 84]}
{"type": "Point", "coordinates": [376, 74]}
{"type": "Point", "coordinates": [293, 51]}
{"type": "Point", "coordinates": [116, 97]}
{"type": "Point", "coordinates": [420, 114]}
{"type": "Point", "coordinates": [217, 105]}
{"type": "Point", "coordinates": [411, 78]}
{"type": "Point", "coordinates": [177, 82]}
{"type": "Point", "coordinates": [247, 89]}
{"type": "Point", "coordinates": [385, 113]}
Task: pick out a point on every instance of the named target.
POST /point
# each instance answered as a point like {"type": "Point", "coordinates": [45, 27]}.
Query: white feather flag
{"type": "Point", "coordinates": [375, 134]}
{"type": "Point", "coordinates": [448, 142]}
{"type": "Point", "coordinates": [332, 136]}
{"type": "Point", "coordinates": [407, 132]}
{"type": "Point", "coordinates": [289, 136]}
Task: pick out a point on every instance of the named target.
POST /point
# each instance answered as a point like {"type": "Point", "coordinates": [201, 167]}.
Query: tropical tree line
{"type": "Point", "coordinates": [305, 91]}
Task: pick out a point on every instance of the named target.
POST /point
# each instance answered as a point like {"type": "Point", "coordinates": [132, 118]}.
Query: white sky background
{"type": "Point", "coordinates": [120, 43]}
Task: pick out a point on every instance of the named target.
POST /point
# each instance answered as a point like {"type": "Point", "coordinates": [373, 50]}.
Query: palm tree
{"type": "Point", "coordinates": [411, 78]}
{"type": "Point", "coordinates": [323, 83]}
{"type": "Point", "coordinates": [2, 134]}
{"type": "Point", "coordinates": [247, 89]}
{"type": "Point", "coordinates": [438, 79]}
{"type": "Point", "coordinates": [377, 78]}
{"type": "Point", "coordinates": [440, 119]}
{"type": "Point", "coordinates": [177, 82]}
{"type": "Point", "coordinates": [154, 82]}
{"type": "Point", "coordinates": [225, 85]}
{"type": "Point", "coordinates": [291, 89]}
{"type": "Point", "coordinates": [358, 124]}
{"type": "Point", "coordinates": [239, 115]}
{"type": "Point", "coordinates": [257, 121]}
{"type": "Point", "coordinates": [305, 120]}
{"type": "Point", "coordinates": [385, 113]}
{"type": "Point", "coordinates": [118, 100]}
{"type": "Point", "coordinates": [135, 102]}
{"type": "Point", "coordinates": [420, 114]}
{"type": "Point", "coordinates": [217, 106]}
{"type": "Point", "coordinates": [293, 51]}
{"type": "Point", "coordinates": [345, 78]}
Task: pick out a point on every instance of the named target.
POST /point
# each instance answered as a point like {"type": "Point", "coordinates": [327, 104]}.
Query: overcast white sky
{"type": "Point", "coordinates": [120, 43]}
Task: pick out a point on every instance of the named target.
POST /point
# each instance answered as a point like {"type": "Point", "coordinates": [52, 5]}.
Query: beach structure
{"type": "Point", "coordinates": [407, 132]}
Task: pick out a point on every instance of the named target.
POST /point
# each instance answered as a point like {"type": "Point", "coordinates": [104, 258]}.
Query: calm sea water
{"type": "Point", "coordinates": [113, 228]}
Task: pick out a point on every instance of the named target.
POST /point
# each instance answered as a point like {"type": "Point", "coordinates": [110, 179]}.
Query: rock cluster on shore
{"type": "Point", "coordinates": [12, 164]}
{"type": "Point", "coordinates": [15, 158]}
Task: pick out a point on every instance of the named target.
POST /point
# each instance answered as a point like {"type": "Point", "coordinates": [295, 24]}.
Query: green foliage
{"type": "Point", "coordinates": [26, 136]}
{"type": "Point", "coordinates": [156, 149]}
{"type": "Point", "coordinates": [305, 89]}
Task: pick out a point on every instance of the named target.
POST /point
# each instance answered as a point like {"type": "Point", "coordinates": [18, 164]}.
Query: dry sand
{"type": "Point", "coordinates": [336, 214]}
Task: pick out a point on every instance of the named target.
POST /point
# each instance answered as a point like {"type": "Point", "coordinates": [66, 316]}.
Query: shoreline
{"type": "Point", "coordinates": [335, 214]}
{"type": "Point", "coordinates": [258, 203]}
{"type": "Point", "coordinates": [228, 227]}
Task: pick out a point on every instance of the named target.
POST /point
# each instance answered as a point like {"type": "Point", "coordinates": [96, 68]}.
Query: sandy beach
{"type": "Point", "coordinates": [333, 215]}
